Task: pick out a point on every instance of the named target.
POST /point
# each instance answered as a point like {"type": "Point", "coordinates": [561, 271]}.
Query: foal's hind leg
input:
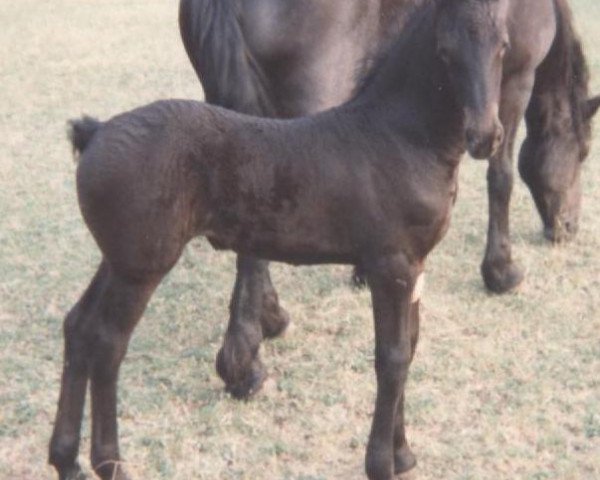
{"type": "Point", "coordinates": [254, 314]}
{"type": "Point", "coordinates": [119, 308]}
{"type": "Point", "coordinates": [97, 332]}
{"type": "Point", "coordinates": [500, 272]}
{"type": "Point", "coordinates": [64, 445]}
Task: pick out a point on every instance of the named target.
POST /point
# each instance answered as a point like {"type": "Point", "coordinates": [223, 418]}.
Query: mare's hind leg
{"type": "Point", "coordinates": [254, 314]}
{"type": "Point", "coordinates": [500, 272]}
{"type": "Point", "coordinates": [404, 459]}
{"type": "Point", "coordinates": [273, 319]}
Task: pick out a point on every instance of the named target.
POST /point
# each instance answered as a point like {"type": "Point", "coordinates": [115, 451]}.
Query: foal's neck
{"type": "Point", "coordinates": [409, 90]}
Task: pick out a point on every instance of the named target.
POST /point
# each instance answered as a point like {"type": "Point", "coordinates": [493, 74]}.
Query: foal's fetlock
{"type": "Point", "coordinates": [404, 459]}
{"type": "Point", "coordinates": [242, 380]}
{"type": "Point", "coordinates": [378, 463]}
{"type": "Point", "coordinates": [502, 277]}
{"type": "Point", "coordinates": [63, 454]}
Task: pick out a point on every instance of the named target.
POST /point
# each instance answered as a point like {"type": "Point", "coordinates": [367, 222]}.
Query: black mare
{"type": "Point", "coordinates": [287, 58]}
{"type": "Point", "coordinates": [370, 183]}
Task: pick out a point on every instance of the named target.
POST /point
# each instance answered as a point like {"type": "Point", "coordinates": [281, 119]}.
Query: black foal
{"type": "Point", "coordinates": [370, 183]}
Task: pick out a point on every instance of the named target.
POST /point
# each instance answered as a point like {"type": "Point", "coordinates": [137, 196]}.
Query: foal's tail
{"type": "Point", "coordinates": [80, 132]}
{"type": "Point", "coordinates": [215, 43]}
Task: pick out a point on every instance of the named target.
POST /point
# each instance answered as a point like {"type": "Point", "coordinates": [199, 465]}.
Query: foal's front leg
{"type": "Point", "coordinates": [254, 314]}
{"type": "Point", "coordinates": [404, 459]}
{"type": "Point", "coordinates": [500, 272]}
{"type": "Point", "coordinates": [391, 280]}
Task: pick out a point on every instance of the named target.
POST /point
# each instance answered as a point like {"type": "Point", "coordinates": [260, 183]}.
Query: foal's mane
{"type": "Point", "coordinates": [400, 47]}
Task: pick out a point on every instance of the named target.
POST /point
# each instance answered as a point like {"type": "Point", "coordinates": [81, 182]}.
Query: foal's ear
{"type": "Point", "coordinates": [591, 106]}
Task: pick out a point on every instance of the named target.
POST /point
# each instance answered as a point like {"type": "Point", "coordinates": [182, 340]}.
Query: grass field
{"type": "Point", "coordinates": [503, 387]}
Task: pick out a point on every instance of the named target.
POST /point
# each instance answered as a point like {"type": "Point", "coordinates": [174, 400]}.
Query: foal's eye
{"type": "Point", "coordinates": [444, 55]}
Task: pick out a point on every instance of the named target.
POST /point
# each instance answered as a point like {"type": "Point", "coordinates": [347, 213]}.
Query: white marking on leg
{"type": "Point", "coordinates": [418, 289]}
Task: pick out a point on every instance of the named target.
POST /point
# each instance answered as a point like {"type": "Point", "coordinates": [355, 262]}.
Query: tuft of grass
{"type": "Point", "coordinates": [502, 387]}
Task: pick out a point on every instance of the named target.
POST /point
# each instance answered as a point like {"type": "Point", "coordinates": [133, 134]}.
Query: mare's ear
{"type": "Point", "coordinates": [591, 106]}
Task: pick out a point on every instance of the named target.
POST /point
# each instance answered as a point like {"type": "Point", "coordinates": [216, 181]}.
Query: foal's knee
{"type": "Point", "coordinates": [391, 364]}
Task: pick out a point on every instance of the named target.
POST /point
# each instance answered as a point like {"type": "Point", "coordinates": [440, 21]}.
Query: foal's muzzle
{"type": "Point", "coordinates": [482, 145]}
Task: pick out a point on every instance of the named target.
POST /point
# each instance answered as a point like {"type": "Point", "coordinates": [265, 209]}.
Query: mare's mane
{"type": "Point", "coordinates": [574, 72]}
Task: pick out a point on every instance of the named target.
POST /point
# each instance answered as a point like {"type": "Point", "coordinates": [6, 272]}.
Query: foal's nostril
{"type": "Point", "coordinates": [470, 136]}
{"type": "Point", "coordinates": [499, 136]}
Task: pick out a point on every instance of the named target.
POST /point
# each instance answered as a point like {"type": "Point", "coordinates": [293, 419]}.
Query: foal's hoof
{"type": "Point", "coordinates": [73, 473]}
{"type": "Point", "coordinates": [241, 382]}
{"type": "Point", "coordinates": [274, 321]}
{"type": "Point", "coordinates": [404, 460]}
{"type": "Point", "coordinates": [111, 470]}
{"type": "Point", "coordinates": [502, 278]}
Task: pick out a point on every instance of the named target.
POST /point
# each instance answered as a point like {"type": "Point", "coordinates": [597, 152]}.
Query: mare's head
{"type": "Point", "coordinates": [472, 39]}
{"type": "Point", "coordinates": [550, 163]}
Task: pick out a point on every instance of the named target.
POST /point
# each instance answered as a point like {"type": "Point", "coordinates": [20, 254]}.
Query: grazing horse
{"type": "Point", "coordinates": [370, 183]}
{"type": "Point", "coordinates": [287, 58]}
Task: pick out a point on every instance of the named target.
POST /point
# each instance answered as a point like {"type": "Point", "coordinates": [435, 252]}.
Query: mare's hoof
{"type": "Point", "coordinates": [274, 322]}
{"type": "Point", "coordinates": [241, 383]}
{"type": "Point", "coordinates": [404, 460]}
{"type": "Point", "coordinates": [248, 386]}
{"type": "Point", "coordinates": [502, 278]}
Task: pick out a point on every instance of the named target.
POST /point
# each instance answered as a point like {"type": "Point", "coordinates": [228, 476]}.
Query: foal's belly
{"type": "Point", "coordinates": [285, 240]}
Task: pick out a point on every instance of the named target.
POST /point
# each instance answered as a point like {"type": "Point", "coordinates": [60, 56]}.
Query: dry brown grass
{"type": "Point", "coordinates": [502, 387]}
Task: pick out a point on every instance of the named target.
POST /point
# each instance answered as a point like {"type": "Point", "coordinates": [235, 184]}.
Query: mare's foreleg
{"type": "Point", "coordinates": [254, 314]}
{"type": "Point", "coordinates": [391, 281]}
{"type": "Point", "coordinates": [500, 273]}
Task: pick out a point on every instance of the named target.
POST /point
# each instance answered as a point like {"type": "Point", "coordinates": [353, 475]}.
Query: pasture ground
{"type": "Point", "coordinates": [502, 387]}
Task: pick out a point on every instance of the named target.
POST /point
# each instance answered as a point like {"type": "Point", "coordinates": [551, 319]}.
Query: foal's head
{"type": "Point", "coordinates": [472, 39]}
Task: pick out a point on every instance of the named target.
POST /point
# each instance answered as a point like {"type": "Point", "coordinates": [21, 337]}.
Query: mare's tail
{"type": "Point", "coordinates": [80, 132]}
{"type": "Point", "coordinates": [229, 73]}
